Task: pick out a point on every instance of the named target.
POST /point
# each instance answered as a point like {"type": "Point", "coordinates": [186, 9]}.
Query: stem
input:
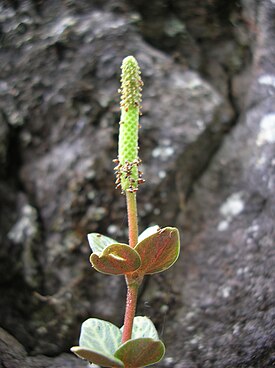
{"type": "Point", "coordinates": [132, 285]}
{"type": "Point", "coordinates": [131, 302]}
{"type": "Point", "coordinates": [132, 218]}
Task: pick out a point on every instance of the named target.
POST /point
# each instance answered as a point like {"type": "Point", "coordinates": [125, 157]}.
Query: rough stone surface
{"type": "Point", "coordinates": [14, 355]}
{"type": "Point", "coordinates": [207, 144]}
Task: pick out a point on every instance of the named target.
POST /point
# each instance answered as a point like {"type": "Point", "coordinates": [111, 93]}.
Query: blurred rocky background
{"type": "Point", "coordinates": [208, 147]}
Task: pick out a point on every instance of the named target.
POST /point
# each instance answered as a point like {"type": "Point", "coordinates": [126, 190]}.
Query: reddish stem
{"type": "Point", "coordinates": [132, 284]}
{"type": "Point", "coordinates": [131, 302]}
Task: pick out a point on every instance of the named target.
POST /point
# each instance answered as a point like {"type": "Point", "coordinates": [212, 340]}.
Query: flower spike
{"type": "Point", "coordinates": [128, 176]}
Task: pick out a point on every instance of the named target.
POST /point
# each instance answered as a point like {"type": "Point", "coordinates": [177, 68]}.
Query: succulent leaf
{"type": "Point", "coordinates": [99, 242]}
{"type": "Point", "coordinates": [159, 251]}
{"type": "Point", "coordinates": [147, 232]}
{"type": "Point", "coordinates": [140, 352]}
{"type": "Point", "coordinates": [92, 356]}
{"type": "Point", "coordinates": [116, 259]}
{"type": "Point", "coordinates": [143, 327]}
{"type": "Point", "coordinates": [98, 342]}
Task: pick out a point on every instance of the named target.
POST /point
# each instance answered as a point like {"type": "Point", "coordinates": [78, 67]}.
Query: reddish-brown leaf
{"type": "Point", "coordinates": [97, 358]}
{"type": "Point", "coordinates": [159, 251]}
{"type": "Point", "coordinates": [140, 352]}
{"type": "Point", "coordinates": [116, 259]}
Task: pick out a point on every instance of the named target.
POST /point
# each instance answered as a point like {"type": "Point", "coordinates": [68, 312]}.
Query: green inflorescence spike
{"type": "Point", "coordinates": [128, 175]}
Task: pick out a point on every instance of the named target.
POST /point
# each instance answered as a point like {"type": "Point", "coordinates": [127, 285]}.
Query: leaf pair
{"type": "Point", "coordinates": [156, 251]}
{"type": "Point", "coordinates": [100, 343]}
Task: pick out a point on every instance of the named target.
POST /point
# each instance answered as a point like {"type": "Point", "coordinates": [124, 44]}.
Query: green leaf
{"type": "Point", "coordinates": [98, 342]}
{"type": "Point", "coordinates": [99, 242]}
{"type": "Point", "coordinates": [143, 327]}
{"type": "Point", "coordinates": [147, 232]}
{"type": "Point", "coordinates": [140, 352]}
{"type": "Point", "coordinates": [104, 360]}
{"type": "Point", "coordinates": [159, 251]}
{"type": "Point", "coordinates": [101, 335]}
{"type": "Point", "coordinates": [116, 259]}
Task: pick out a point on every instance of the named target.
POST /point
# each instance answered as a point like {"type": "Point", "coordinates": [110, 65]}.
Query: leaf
{"type": "Point", "coordinates": [116, 259]}
{"type": "Point", "coordinates": [143, 327]}
{"type": "Point", "coordinates": [100, 359]}
{"type": "Point", "coordinates": [147, 232]}
{"type": "Point", "coordinates": [98, 342]}
{"type": "Point", "coordinates": [159, 251]}
{"type": "Point", "coordinates": [99, 242]}
{"type": "Point", "coordinates": [101, 335]}
{"type": "Point", "coordinates": [140, 352]}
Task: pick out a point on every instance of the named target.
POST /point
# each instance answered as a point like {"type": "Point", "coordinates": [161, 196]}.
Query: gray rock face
{"type": "Point", "coordinates": [14, 355]}
{"type": "Point", "coordinates": [207, 145]}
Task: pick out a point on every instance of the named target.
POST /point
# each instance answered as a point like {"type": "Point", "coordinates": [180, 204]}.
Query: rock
{"type": "Point", "coordinates": [227, 293]}
{"type": "Point", "coordinates": [14, 355]}
{"type": "Point", "coordinates": [3, 143]}
{"type": "Point", "coordinates": [25, 232]}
